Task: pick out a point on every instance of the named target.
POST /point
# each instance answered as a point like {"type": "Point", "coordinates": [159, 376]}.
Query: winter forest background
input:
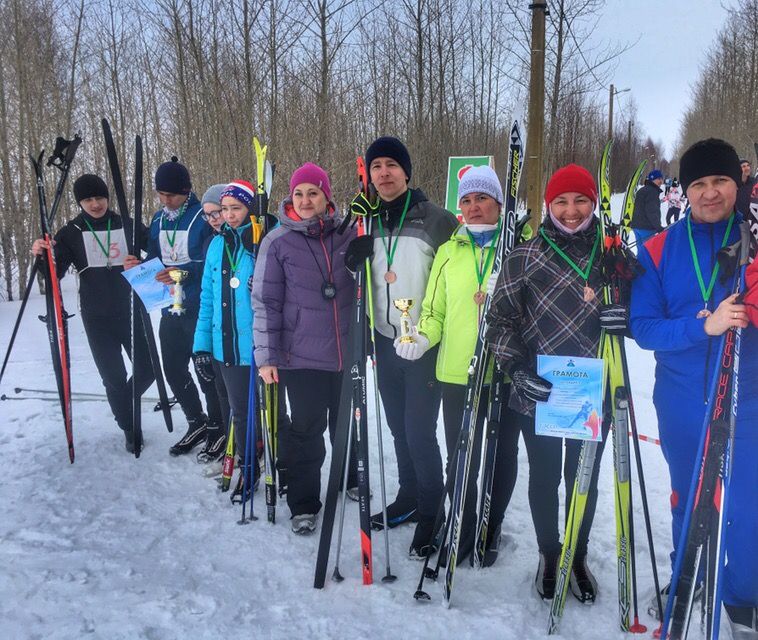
{"type": "Point", "coordinates": [318, 80]}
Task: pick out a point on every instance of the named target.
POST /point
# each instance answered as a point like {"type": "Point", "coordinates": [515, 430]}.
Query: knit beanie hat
{"type": "Point", "coordinates": [571, 178]}
{"type": "Point", "coordinates": [240, 190]}
{"type": "Point", "coordinates": [389, 147]}
{"type": "Point", "coordinates": [312, 174]}
{"type": "Point", "coordinates": [480, 180]}
{"type": "Point", "coordinates": [213, 194]}
{"type": "Point", "coordinates": [711, 157]}
{"type": "Point", "coordinates": [89, 186]}
{"type": "Point", "coordinates": [173, 177]}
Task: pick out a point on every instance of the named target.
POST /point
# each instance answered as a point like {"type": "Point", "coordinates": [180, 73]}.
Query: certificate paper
{"type": "Point", "coordinates": [575, 407]}
{"type": "Point", "coordinates": [154, 294]}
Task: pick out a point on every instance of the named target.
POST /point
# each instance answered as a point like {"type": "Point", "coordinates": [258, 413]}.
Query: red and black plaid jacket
{"type": "Point", "coordinates": [538, 306]}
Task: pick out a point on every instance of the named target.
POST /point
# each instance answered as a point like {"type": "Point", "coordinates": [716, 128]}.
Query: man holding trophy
{"type": "Point", "coordinates": [405, 233]}
{"type": "Point", "coordinates": [178, 237]}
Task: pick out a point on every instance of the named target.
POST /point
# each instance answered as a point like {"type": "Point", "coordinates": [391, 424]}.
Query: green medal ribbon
{"type": "Point", "coordinates": [172, 238]}
{"type": "Point", "coordinates": [106, 252]}
{"type": "Point", "coordinates": [490, 254]}
{"type": "Point", "coordinates": [232, 263]}
{"type": "Point", "coordinates": [584, 274]}
{"type": "Point", "coordinates": [706, 293]}
{"type": "Point", "coordinates": [390, 253]}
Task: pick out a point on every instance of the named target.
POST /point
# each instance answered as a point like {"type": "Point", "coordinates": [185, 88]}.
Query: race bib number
{"type": "Point", "coordinates": [117, 251]}
{"type": "Point", "coordinates": [179, 253]}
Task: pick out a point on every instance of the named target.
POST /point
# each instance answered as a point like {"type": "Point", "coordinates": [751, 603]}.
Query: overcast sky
{"type": "Point", "coordinates": [674, 36]}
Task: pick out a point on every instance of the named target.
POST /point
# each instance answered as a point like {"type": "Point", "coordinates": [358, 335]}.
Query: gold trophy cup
{"type": "Point", "coordinates": [177, 275]}
{"type": "Point", "coordinates": [406, 331]}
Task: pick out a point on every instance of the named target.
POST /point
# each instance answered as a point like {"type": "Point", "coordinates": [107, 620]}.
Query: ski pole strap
{"type": "Point", "coordinates": [706, 293]}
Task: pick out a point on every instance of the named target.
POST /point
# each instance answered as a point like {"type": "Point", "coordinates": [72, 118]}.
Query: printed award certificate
{"type": "Point", "coordinates": [575, 406]}
{"type": "Point", "coordinates": [154, 294]}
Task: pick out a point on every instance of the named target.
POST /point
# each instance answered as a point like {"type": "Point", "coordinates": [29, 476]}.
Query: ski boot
{"type": "Point", "coordinates": [544, 581]}
{"type": "Point", "coordinates": [196, 432]}
{"type": "Point", "coordinates": [582, 583]}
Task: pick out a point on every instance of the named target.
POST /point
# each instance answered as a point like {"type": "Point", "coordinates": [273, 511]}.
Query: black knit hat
{"type": "Point", "coordinates": [173, 177]}
{"type": "Point", "coordinates": [389, 147]}
{"type": "Point", "coordinates": [711, 157]}
{"type": "Point", "coordinates": [89, 186]}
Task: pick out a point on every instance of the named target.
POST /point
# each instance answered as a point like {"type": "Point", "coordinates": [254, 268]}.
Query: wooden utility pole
{"type": "Point", "coordinates": [535, 132]}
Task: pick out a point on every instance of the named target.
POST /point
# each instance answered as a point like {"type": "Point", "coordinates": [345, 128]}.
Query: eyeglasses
{"type": "Point", "coordinates": [213, 215]}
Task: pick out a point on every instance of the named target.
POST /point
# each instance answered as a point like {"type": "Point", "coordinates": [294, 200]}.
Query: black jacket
{"type": "Point", "coordinates": [647, 208]}
{"type": "Point", "coordinates": [103, 291]}
{"type": "Point", "coordinates": [743, 195]}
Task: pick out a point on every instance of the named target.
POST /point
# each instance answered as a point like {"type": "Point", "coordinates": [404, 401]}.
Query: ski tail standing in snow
{"type": "Point", "coordinates": [406, 234]}
{"type": "Point", "coordinates": [646, 219]}
{"type": "Point", "coordinates": [529, 317]}
{"type": "Point", "coordinates": [217, 432]}
{"type": "Point", "coordinates": [177, 237]}
{"type": "Point", "coordinates": [687, 308]}
{"type": "Point", "coordinates": [302, 294]}
{"type": "Point", "coordinates": [225, 306]}
{"type": "Point", "coordinates": [56, 317]}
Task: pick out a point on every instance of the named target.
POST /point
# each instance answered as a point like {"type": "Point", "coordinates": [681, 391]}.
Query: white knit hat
{"type": "Point", "coordinates": [480, 180]}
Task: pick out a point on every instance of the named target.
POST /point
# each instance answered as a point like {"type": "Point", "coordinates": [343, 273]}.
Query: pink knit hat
{"type": "Point", "coordinates": [312, 174]}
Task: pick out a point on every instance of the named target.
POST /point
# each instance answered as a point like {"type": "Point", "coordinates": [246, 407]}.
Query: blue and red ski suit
{"type": "Point", "coordinates": [665, 302]}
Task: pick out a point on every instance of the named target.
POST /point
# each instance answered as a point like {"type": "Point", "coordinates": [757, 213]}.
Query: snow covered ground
{"type": "Point", "coordinates": [113, 547]}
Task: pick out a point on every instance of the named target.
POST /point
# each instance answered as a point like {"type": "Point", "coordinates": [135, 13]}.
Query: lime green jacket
{"type": "Point", "coordinates": [449, 314]}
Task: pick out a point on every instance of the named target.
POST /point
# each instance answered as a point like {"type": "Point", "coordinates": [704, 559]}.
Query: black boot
{"type": "Point", "coordinates": [196, 431]}
{"type": "Point", "coordinates": [215, 445]}
{"type": "Point", "coordinates": [743, 621]}
{"type": "Point", "coordinates": [544, 581]}
{"type": "Point", "coordinates": [582, 583]}
{"type": "Point", "coordinates": [465, 547]}
{"type": "Point", "coordinates": [399, 512]}
{"type": "Point", "coordinates": [425, 539]}
{"type": "Point", "coordinates": [129, 440]}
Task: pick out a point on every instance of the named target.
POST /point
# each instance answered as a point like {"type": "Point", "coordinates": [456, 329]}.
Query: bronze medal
{"type": "Point", "coordinates": [390, 277]}
{"type": "Point", "coordinates": [480, 297]}
{"type": "Point", "coordinates": [589, 294]}
{"type": "Point", "coordinates": [173, 256]}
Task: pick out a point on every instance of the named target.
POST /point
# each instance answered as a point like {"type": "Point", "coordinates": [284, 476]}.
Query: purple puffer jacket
{"type": "Point", "coordinates": [295, 326]}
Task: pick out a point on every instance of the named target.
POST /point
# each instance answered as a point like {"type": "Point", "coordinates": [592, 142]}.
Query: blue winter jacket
{"type": "Point", "coordinates": [665, 302]}
{"type": "Point", "coordinates": [187, 252]}
{"type": "Point", "coordinates": [225, 322]}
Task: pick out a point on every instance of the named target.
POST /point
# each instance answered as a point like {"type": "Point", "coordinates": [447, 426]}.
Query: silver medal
{"type": "Point", "coordinates": [234, 282]}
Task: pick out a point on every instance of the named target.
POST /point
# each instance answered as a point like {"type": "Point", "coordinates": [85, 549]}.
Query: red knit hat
{"type": "Point", "coordinates": [568, 179]}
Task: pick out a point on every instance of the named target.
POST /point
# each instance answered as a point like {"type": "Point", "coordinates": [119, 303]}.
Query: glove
{"type": "Point", "coordinates": [528, 384]}
{"type": "Point", "coordinates": [491, 282]}
{"type": "Point", "coordinates": [412, 350]}
{"type": "Point", "coordinates": [362, 206]}
{"type": "Point", "coordinates": [203, 366]}
{"type": "Point", "coordinates": [358, 251]}
{"type": "Point", "coordinates": [614, 318]}
{"type": "Point", "coordinates": [250, 284]}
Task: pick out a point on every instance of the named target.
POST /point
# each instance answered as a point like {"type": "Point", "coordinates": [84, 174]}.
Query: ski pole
{"type": "Point", "coordinates": [388, 577]}
{"type": "Point", "coordinates": [24, 300]}
{"type": "Point", "coordinates": [336, 575]}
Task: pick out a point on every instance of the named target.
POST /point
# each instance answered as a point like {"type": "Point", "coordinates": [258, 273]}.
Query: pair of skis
{"type": "Point", "coordinates": [458, 478]}
{"type": "Point", "coordinates": [140, 319]}
{"type": "Point", "coordinates": [612, 350]}
{"type": "Point", "coordinates": [56, 318]}
{"type": "Point", "coordinates": [702, 540]}
{"type": "Point", "coordinates": [259, 394]}
{"type": "Point", "coordinates": [352, 425]}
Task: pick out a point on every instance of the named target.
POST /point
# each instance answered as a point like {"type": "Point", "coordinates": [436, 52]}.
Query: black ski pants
{"type": "Point", "coordinates": [506, 453]}
{"type": "Point", "coordinates": [177, 334]}
{"type": "Point", "coordinates": [545, 455]}
{"type": "Point", "coordinates": [411, 397]}
{"type": "Point", "coordinates": [107, 337]}
{"type": "Point", "coordinates": [314, 399]}
{"type": "Point", "coordinates": [672, 215]}
{"type": "Point", "coordinates": [223, 398]}
{"type": "Point", "coordinates": [237, 383]}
